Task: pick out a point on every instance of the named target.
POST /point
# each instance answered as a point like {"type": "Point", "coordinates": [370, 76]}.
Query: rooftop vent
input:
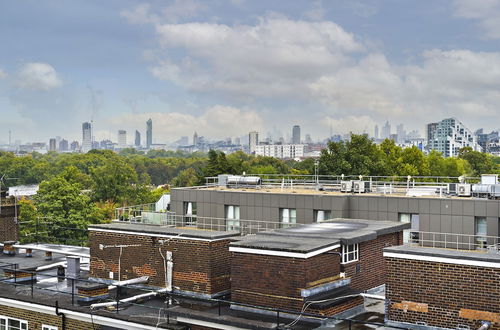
{"type": "Point", "coordinates": [225, 180]}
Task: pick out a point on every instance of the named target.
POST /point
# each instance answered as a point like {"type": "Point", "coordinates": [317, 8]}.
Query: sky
{"type": "Point", "coordinates": [224, 68]}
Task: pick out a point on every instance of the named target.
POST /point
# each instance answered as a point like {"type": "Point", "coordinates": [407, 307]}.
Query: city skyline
{"type": "Point", "coordinates": [353, 66]}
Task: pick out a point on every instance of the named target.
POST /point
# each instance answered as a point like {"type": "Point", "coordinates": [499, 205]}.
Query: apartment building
{"type": "Point", "coordinates": [449, 136]}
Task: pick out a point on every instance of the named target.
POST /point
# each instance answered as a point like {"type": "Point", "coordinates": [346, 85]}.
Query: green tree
{"type": "Point", "coordinates": [480, 163]}
{"type": "Point", "coordinates": [115, 181]}
{"type": "Point", "coordinates": [186, 178]}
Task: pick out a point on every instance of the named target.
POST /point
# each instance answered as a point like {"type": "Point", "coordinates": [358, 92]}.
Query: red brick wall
{"type": "Point", "coordinates": [437, 292]}
{"type": "Point", "coordinates": [275, 281]}
{"type": "Point", "coordinates": [371, 262]}
{"type": "Point", "coordinates": [8, 227]}
{"type": "Point", "coordinates": [199, 266]}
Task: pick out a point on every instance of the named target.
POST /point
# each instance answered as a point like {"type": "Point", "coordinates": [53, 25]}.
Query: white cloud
{"type": "Point", "coordinates": [334, 74]}
{"type": "Point", "coordinates": [3, 74]}
{"type": "Point", "coordinates": [274, 57]}
{"type": "Point", "coordinates": [215, 122]}
{"type": "Point", "coordinates": [486, 12]}
{"type": "Point", "coordinates": [173, 13]}
{"type": "Point", "coordinates": [38, 76]}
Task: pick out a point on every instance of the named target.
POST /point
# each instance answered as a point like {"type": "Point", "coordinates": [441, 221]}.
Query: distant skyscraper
{"type": "Point", "coordinates": [86, 137]}
{"type": "Point", "coordinates": [75, 146]}
{"type": "Point", "coordinates": [52, 144]}
{"type": "Point", "coordinates": [195, 139]}
{"type": "Point", "coordinates": [253, 141]}
{"type": "Point", "coordinates": [122, 138]}
{"type": "Point", "coordinates": [376, 132]}
{"type": "Point", "coordinates": [296, 134]}
{"type": "Point", "coordinates": [386, 131]}
{"type": "Point", "coordinates": [449, 136]}
{"type": "Point", "coordinates": [308, 139]}
{"type": "Point", "coordinates": [184, 141]}
{"type": "Point", "coordinates": [400, 131]}
{"type": "Point", "coordinates": [137, 138]}
{"type": "Point", "coordinates": [149, 133]}
{"type": "Point", "coordinates": [63, 145]}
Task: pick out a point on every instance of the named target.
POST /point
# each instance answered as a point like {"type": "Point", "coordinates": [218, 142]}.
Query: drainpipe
{"type": "Point", "coordinates": [63, 317]}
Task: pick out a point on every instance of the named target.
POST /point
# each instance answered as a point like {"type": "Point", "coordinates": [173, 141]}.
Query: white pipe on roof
{"type": "Point", "coordinates": [129, 299]}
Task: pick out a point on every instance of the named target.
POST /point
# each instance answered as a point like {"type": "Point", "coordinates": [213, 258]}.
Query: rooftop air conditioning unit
{"type": "Point", "coordinates": [464, 190]}
{"type": "Point", "coordinates": [360, 186]}
{"type": "Point", "coordinates": [346, 186]}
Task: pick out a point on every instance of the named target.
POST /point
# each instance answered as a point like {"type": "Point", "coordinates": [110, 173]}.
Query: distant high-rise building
{"type": "Point", "coordinates": [449, 136]}
{"type": "Point", "coordinates": [63, 145]}
{"type": "Point", "coordinates": [296, 134]}
{"type": "Point", "coordinates": [195, 139]}
{"type": "Point", "coordinates": [86, 137]}
{"type": "Point", "coordinates": [184, 141]}
{"type": "Point", "coordinates": [52, 144]}
{"type": "Point", "coordinates": [376, 132]}
{"type": "Point", "coordinates": [75, 146]}
{"type": "Point", "coordinates": [106, 145]}
{"type": "Point", "coordinates": [400, 131]}
{"type": "Point", "coordinates": [122, 138]}
{"type": "Point", "coordinates": [149, 133]}
{"type": "Point", "coordinates": [237, 141]}
{"type": "Point", "coordinates": [137, 138]}
{"type": "Point", "coordinates": [253, 141]}
{"type": "Point", "coordinates": [386, 131]}
{"type": "Point", "coordinates": [308, 139]}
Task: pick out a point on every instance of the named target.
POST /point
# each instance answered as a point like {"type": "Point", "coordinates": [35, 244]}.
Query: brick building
{"type": "Point", "coordinates": [294, 266]}
{"type": "Point", "coordinates": [8, 225]}
{"type": "Point", "coordinates": [201, 259]}
{"type": "Point", "coordinates": [442, 288]}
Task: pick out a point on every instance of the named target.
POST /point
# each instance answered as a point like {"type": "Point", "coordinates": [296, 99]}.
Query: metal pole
{"type": "Point", "coordinates": [73, 291]}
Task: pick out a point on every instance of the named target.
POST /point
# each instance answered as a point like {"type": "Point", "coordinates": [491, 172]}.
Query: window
{"type": "Point", "coordinates": [232, 217]}
{"type": "Point", "coordinates": [321, 215]}
{"type": "Point", "coordinates": [480, 231]}
{"type": "Point", "coordinates": [7, 323]}
{"type": "Point", "coordinates": [48, 327]}
{"type": "Point", "coordinates": [190, 212]}
{"type": "Point", "coordinates": [288, 216]}
{"type": "Point", "coordinates": [411, 235]}
{"type": "Point", "coordinates": [350, 253]}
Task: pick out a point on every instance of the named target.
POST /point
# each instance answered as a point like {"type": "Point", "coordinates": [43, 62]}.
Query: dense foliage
{"type": "Point", "coordinates": [80, 189]}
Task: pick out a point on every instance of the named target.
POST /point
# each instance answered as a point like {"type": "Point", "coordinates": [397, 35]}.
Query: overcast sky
{"type": "Point", "coordinates": [224, 68]}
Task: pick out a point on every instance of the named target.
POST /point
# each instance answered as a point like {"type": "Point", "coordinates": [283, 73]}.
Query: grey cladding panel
{"type": "Point", "coordinates": [435, 207]}
{"type": "Point", "coordinates": [446, 224]}
{"type": "Point", "coordinates": [446, 207]}
{"type": "Point", "coordinates": [372, 204]}
{"type": "Point", "coordinates": [392, 216]}
{"type": "Point", "coordinates": [423, 206]}
{"type": "Point", "coordinates": [383, 216]}
{"type": "Point", "coordinates": [492, 209]}
{"type": "Point", "coordinates": [403, 205]}
{"type": "Point", "coordinates": [468, 207]}
{"type": "Point", "coordinates": [282, 201]}
{"type": "Point", "coordinates": [456, 207]}
{"type": "Point", "coordinates": [266, 214]}
{"type": "Point", "coordinates": [480, 208]}
{"type": "Point", "coordinates": [266, 200]}
{"type": "Point", "coordinates": [363, 203]}
{"type": "Point", "coordinates": [251, 199]}
{"type": "Point", "coordinates": [301, 203]}
{"type": "Point", "coordinates": [301, 217]}
{"type": "Point", "coordinates": [317, 202]}
{"type": "Point", "coordinates": [456, 224]}
{"type": "Point", "coordinates": [425, 222]}
{"type": "Point", "coordinates": [382, 204]}
{"type": "Point", "coordinates": [413, 205]}
{"type": "Point", "coordinates": [435, 223]}
{"type": "Point", "coordinates": [327, 203]}
{"type": "Point", "coordinates": [292, 201]}
{"type": "Point", "coordinates": [258, 200]}
{"type": "Point", "coordinates": [468, 225]}
{"type": "Point", "coordinates": [392, 204]}
{"type": "Point", "coordinates": [308, 202]}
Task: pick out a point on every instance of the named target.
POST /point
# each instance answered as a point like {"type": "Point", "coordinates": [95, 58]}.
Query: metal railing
{"type": "Point", "coordinates": [437, 185]}
{"type": "Point", "coordinates": [133, 211]}
{"type": "Point", "coordinates": [478, 243]}
{"type": "Point", "coordinates": [243, 226]}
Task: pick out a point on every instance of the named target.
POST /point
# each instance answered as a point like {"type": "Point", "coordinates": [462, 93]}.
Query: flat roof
{"type": "Point", "coordinates": [312, 191]}
{"type": "Point", "coordinates": [464, 255]}
{"type": "Point", "coordinates": [312, 237]}
{"type": "Point", "coordinates": [182, 232]}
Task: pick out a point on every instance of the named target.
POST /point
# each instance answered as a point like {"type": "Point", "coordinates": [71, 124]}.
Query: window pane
{"type": "Point", "coordinates": [230, 212]}
{"type": "Point", "coordinates": [320, 215]}
{"type": "Point", "coordinates": [293, 216]}
{"type": "Point", "coordinates": [481, 226]}
{"type": "Point", "coordinates": [236, 212]}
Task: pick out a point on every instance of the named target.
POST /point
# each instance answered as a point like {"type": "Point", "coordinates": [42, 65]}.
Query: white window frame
{"type": "Point", "coordinates": [49, 327]}
{"type": "Point", "coordinates": [350, 253]}
{"type": "Point", "coordinates": [23, 325]}
{"type": "Point", "coordinates": [232, 213]}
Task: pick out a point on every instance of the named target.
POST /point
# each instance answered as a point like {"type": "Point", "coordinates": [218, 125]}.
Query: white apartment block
{"type": "Point", "coordinates": [281, 150]}
{"type": "Point", "coordinates": [449, 136]}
